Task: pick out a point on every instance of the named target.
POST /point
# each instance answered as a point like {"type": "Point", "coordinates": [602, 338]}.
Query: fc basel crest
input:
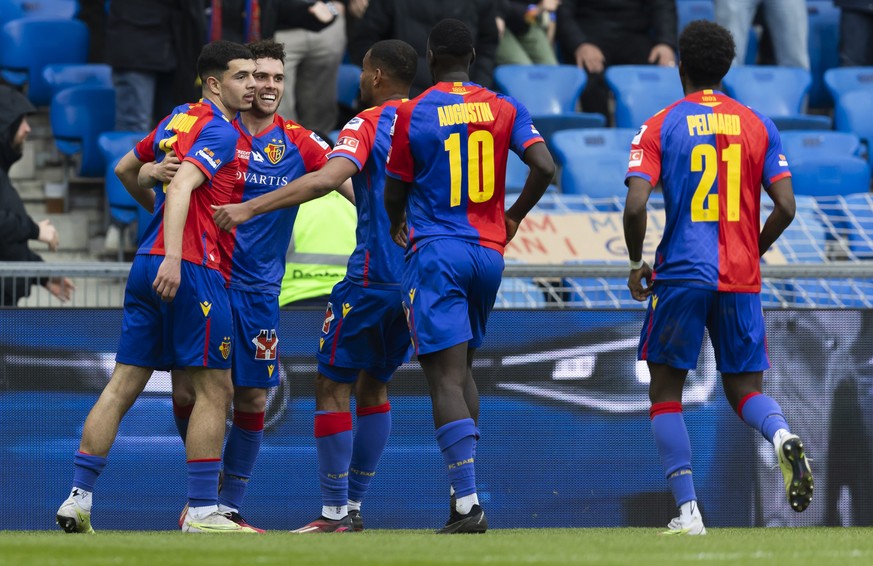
{"type": "Point", "coordinates": [224, 348]}
{"type": "Point", "coordinates": [275, 150]}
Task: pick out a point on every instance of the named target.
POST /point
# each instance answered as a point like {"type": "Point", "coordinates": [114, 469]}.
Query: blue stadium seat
{"type": "Point", "coordinates": [78, 115]}
{"type": "Point", "coordinates": [802, 144]}
{"type": "Point", "coordinates": [116, 144]}
{"type": "Point", "coordinates": [543, 89]}
{"type": "Point", "coordinates": [852, 114]}
{"type": "Point", "coordinates": [641, 91]}
{"type": "Point", "coordinates": [599, 175]}
{"type": "Point", "coordinates": [10, 10]}
{"type": "Point", "coordinates": [690, 10]}
{"type": "Point", "coordinates": [577, 144]}
{"type": "Point", "coordinates": [27, 45]}
{"type": "Point", "coordinates": [348, 84]}
{"type": "Point", "coordinates": [549, 124]}
{"type": "Point", "coordinates": [775, 92]}
{"type": "Point", "coordinates": [50, 8]}
{"type": "Point", "coordinates": [516, 173]}
{"type": "Point", "coordinates": [842, 80]}
{"type": "Point", "coordinates": [824, 53]}
{"type": "Point", "coordinates": [59, 77]}
{"type": "Point", "coordinates": [827, 175]}
{"type": "Point", "coordinates": [123, 209]}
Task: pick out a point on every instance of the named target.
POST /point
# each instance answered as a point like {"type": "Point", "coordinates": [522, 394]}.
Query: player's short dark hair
{"type": "Point", "coordinates": [215, 58]}
{"type": "Point", "coordinates": [450, 38]}
{"type": "Point", "coordinates": [397, 58]}
{"type": "Point", "coordinates": [267, 49]}
{"type": "Point", "coordinates": [706, 50]}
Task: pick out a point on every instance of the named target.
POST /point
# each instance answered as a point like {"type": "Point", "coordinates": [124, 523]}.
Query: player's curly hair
{"type": "Point", "coordinates": [267, 49]}
{"type": "Point", "coordinates": [216, 56]}
{"type": "Point", "coordinates": [397, 58]}
{"type": "Point", "coordinates": [450, 38]}
{"type": "Point", "coordinates": [706, 50]}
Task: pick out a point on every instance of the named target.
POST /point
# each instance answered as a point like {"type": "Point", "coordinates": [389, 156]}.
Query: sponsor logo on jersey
{"type": "Point", "coordinates": [317, 139]}
{"type": "Point", "coordinates": [270, 369]}
{"type": "Point", "coordinates": [265, 344]}
{"type": "Point", "coordinates": [346, 308]}
{"type": "Point", "coordinates": [246, 155]}
{"type": "Point", "coordinates": [354, 123]}
{"type": "Point", "coordinates": [654, 301]}
{"type": "Point", "coordinates": [458, 88]}
{"type": "Point", "coordinates": [205, 306]}
{"type": "Point", "coordinates": [225, 347]}
{"type": "Point", "coordinates": [783, 161]}
{"type": "Point", "coordinates": [347, 143]}
{"type": "Point", "coordinates": [533, 130]}
{"type": "Point", "coordinates": [275, 150]}
{"type": "Point", "coordinates": [320, 344]}
{"type": "Point", "coordinates": [257, 157]}
{"type": "Point", "coordinates": [636, 158]}
{"type": "Point", "coordinates": [328, 317]}
{"type": "Point", "coordinates": [209, 157]}
{"type": "Point", "coordinates": [639, 135]}
{"type": "Point", "coordinates": [411, 296]}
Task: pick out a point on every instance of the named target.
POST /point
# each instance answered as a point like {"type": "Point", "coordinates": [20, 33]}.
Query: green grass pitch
{"type": "Point", "coordinates": [639, 547]}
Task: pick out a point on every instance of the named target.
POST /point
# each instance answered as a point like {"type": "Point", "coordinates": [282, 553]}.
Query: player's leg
{"type": "Point", "coordinates": [183, 400]}
{"type": "Point", "coordinates": [670, 343]}
{"type": "Point", "coordinates": [738, 336]}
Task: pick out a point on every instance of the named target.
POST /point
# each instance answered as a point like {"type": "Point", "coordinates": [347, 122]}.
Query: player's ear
{"type": "Point", "coordinates": [213, 84]}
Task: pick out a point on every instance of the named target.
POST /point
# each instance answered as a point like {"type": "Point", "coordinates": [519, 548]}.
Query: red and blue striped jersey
{"type": "Point", "coordinates": [254, 252]}
{"type": "Point", "coordinates": [451, 143]}
{"type": "Point", "coordinates": [377, 261]}
{"type": "Point", "coordinates": [711, 155]}
{"type": "Point", "coordinates": [200, 134]}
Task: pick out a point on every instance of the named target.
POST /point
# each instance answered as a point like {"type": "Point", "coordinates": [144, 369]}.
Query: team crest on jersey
{"type": "Point", "coordinates": [328, 317]}
{"type": "Point", "coordinates": [275, 150]}
{"type": "Point", "coordinates": [265, 344]}
{"type": "Point", "coordinates": [224, 348]}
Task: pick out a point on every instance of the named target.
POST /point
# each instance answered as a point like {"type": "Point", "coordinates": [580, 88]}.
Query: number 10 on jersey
{"type": "Point", "coordinates": [480, 166]}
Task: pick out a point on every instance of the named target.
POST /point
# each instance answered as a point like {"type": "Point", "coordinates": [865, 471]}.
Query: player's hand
{"type": "Point", "coordinates": [663, 55]}
{"type": "Point", "coordinates": [590, 58]}
{"type": "Point", "coordinates": [164, 171]}
{"type": "Point", "coordinates": [168, 279]}
{"type": "Point", "coordinates": [501, 27]}
{"type": "Point", "coordinates": [358, 7]}
{"type": "Point", "coordinates": [635, 282]}
{"type": "Point", "coordinates": [400, 234]}
{"type": "Point", "coordinates": [321, 12]}
{"type": "Point", "coordinates": [511, 228]}
{"type": "Point", "coordinates": [60, 287]}
{"type": "Point", "coordinates": [48, 234]}
{"type": "Point", "coordinates": [229, 216]}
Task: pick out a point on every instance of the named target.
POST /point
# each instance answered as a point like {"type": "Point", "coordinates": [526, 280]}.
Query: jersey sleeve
{"type": "Point", "coordinates": [775, 162]}
{"type": "Point", "coordinates": [355, 141]}
{"type": "Point", "coordinates": [313, 150]}
{"type": "Point", "coordinates": [145, 148]}
{"type": "Point", "coordinates": [400, 163]}
{"type": "Point", "coordinates": [524, 133]}
{"type": "Point", "coordinates": [645, 155]}
{"type": "Point", "coordinates": [214, 146]}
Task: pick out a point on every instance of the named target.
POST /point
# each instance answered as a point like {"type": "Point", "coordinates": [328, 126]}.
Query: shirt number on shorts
{"type": "Point", "coordinates": [480, 166]}
{"type": "Point", "coordinates": [704, 203]}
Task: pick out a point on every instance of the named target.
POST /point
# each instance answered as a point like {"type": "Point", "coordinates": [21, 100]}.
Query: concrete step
{"type": "Point", "coordinates": [74, 230]}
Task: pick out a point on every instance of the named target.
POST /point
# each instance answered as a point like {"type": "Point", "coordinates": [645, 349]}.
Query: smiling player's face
{"type": "Point", "coordinates": [238, 85]}
{"type": "Point", "coordinates": [270, 85]}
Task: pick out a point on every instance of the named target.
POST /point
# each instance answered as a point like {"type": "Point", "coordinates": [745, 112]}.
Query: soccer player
{"type": "Point", "coordinates": [176, 311]}
{"type": "Point", "coordinates": [446, 170]}
{"type": "Point", "coordinates": [711, 155]}
{"type": "Point", "coordinates": [271, 151]}
{"type": "Point", "coordinates": [365, 338]}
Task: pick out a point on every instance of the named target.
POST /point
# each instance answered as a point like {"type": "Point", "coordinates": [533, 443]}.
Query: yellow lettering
{"type": "Point", "coordinates": [444, 120]}
{"type": "Point", "coordinates": [465, 113]}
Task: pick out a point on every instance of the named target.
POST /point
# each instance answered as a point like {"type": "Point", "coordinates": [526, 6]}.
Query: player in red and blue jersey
{"type": "Point", "coordinates": [176, 310]}
{"type": "Point", "coordinates": [365, 338]}
{"type": "Point", "coordinates": [446, 172]}
{"type": "Point", "coordinates": [272, 151]}
{"type": "Point", "coordinates": [711, 155]}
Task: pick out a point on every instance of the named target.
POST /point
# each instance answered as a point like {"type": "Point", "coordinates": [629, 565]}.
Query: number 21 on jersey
{"type": "Point", "coordinates": [704, 202]}
{"type": "Point", "coordinates": [480, 166]}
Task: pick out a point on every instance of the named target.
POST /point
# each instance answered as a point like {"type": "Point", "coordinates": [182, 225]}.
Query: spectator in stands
{"type": "Point", "coordinates": [153, 49]}
{"type": "Point", "coordinates": [856, 32]}
{"type": "Point", "coordinates": [787, 23]}
{"type": "Point", "coordinates": [412, 22]}
{"type": "Point", "coordinates": [527, 32]}
{"type": "Point", "coordinates": [16, 226]}
{"type": "Point", "coordinates": [600, 33]}
{"type": "Point", "coordinates": [93, 14]}
{"type": "Point", "coordinates": [312, 60]}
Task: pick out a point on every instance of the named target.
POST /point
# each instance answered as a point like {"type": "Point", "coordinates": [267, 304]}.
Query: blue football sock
{"type": "Point", "coordinates": [87, 468]}
{"type": "Point", "coordinates": [456, 440]}
{"type": "Point", "coordinates": [182, 414]}
{"type": "Point", "coordinates": [674, 448]}
{"type": "Point", "coordinates": [203, 482]}
{"type": "Point", "coordinates": [333, 442]}
{"type": "Point", "coordinates": [371, 437]}
{"type": "Point", "coordinates": [240, 453]}
{"type": "Point", "coordinates": [763, 414]}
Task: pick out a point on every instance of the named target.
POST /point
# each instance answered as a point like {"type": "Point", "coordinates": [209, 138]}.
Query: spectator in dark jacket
{"type": "Point", "coordinates": [600, 33]}
{"type": "Point", "coordinates": [527, 34]}
{"type": "Point", "coordinates": [412, 22]}
{"type": "Point", "coordinates": [856, 32]}
{"type": "Point", "coordinates": [16, 226]}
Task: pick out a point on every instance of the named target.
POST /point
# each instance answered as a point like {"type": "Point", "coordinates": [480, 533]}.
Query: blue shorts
{"type": "Point", "coordinates": [449, 287]}
{"type": "Point", "coordinates": [673, 330]}
{"type": "Point", "coordinates": [194, 330]}
{"type": "Point", "coordinates": [364, 329]}
{"type": "Point", "coordinates": [256, 352]}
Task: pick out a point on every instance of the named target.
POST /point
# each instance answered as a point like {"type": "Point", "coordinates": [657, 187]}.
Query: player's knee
{"type": "Point", "coordinates": [250, 399]}
{"type": "Point", "coordinates": [331, 395]}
